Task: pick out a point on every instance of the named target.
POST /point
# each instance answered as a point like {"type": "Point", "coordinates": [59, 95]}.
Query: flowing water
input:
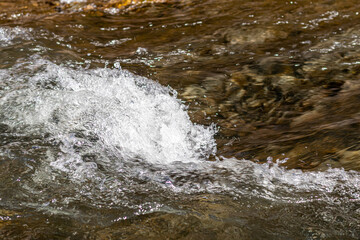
{"type": "Point", "coordinates": [179, 119]}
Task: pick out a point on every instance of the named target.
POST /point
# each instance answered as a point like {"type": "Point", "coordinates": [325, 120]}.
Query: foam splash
{"type": "Point", "coordinates": [118, 118]}
{"type": "Point", "coordinates": [113, 140]}
{"type": "Point", "coordinates": [277, 183]}
{"type": "Point", "coordinates": [72, 1]}
{"type": "Point", "coordinates": [9, 35]}
{"type": "Point", "coordinates": [131, 116]}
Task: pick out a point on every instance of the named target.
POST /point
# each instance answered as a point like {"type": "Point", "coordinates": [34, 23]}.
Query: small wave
{"type": "Point", "coordinates": [9, 35]}
{"type": "Point", "coordinates": [133, 116]}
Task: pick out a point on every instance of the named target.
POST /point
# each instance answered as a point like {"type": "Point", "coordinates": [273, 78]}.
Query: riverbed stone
{"type": "Point", "coordinates": [194, 92]}
{"type": "Point", "coordinates": [214, 85]}
{"type": "Point", "coordinates": [240, 79]}
{"type": "Point", "coordinates": [350, 159]}
{"type": "Point", "coordinates": [286, 83]}
{"type": "Point", "coordinates": [255, 35]}
{"type": "Point", "coordinates": [272, 65]}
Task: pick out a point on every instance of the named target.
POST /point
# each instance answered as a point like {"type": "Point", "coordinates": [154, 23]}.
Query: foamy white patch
{"type": "Point", "coordinates": [72, 1]}
{"type": "Point", "coordinates": [132, 117]}
{"type": "Point", "coordinates": [8, 35]}
{"type": "Point", "coordinates": [115, 134]}
{"type": "Point", "coordinates": [275, 182]}
{"type": "Point", "coordinates": [111, 43]}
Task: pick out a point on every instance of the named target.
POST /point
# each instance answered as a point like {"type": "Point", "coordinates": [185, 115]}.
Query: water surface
{"type": "Point", "coordinates": [179, 120]}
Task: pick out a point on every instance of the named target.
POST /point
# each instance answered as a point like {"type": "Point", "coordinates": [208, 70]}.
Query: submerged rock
{"type": "Point", "coordinates": [256, 35]}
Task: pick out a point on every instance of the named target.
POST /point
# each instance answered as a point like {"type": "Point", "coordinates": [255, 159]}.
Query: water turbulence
{"type": "Point", "coordinates": [105, 138]}
{"type": "Point", "coordinates": [96, 152]}
{"type": "Point", "coordinates": [132, 116]}
{"type": "Point", "coordinates": [99, 123]}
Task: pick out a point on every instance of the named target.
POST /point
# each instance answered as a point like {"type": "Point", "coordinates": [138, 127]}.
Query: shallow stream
{"type": "Point", "coordinates": [179, 119]}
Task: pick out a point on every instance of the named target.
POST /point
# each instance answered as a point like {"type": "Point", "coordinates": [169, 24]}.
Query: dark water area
{"type": "Point", "coordinates": [179, 119]}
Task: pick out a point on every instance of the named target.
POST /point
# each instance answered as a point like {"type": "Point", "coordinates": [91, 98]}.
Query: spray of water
{"type": "Point", "coordinates": [9, 35]}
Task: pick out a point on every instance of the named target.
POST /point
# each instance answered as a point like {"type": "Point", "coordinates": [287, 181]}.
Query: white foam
{"type": "Point", "coordinates": [131, 116]}
{"type": "Point", "coordinates": [114, 134]}
{"type": "Point", "coordinates": [281, 184]}
{"type": "Point", "coordinates": [8, 35]}
{"type": "Point", "coordinates": [72, 1]}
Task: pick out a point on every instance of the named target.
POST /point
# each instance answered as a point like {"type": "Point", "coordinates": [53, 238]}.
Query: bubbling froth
{"type": "Point", "coordinates": [110, 110]}
{"type": "Point", "coordinates": [8, 35]}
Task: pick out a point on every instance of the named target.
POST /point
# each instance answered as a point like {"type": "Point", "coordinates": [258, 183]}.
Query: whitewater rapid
{"type": "Point", "coordinates": [102, 137]}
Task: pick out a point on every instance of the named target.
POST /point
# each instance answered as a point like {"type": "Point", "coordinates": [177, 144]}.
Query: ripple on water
{"type": "Point", "coordinates": [8, 36]}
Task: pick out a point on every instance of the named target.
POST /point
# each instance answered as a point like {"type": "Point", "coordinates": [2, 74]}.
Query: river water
{"type": "Point", "coordinates": [179, 119]}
